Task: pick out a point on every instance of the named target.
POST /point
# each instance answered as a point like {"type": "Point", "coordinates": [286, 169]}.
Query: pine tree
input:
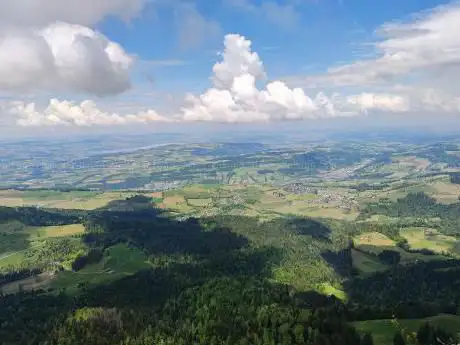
{"type": "Point", "coordinates": [398, 339]}
{"type": "Point", "coordinates": [367, 339]}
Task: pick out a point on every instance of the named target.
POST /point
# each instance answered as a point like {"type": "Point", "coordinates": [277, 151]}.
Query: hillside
{"type": "Point", "coordinates": [340, 254]}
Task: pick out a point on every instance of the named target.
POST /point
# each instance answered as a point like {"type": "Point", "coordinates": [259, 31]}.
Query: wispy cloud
{"type": "Point", "coordinates": [285, 16]}
{"type": "Point", "coordinates": [194, 28]}
{"type": "Point", "coordinates": [422, 54]}
{"type": "Point", "coordinates": [41, 12]}
{"type": "Point", "coordinates": [426, 44]}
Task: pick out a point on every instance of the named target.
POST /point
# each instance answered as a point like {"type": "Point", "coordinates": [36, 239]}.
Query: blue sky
{"type": "Point", "coordinates": [111, 62]}
{"type": "Point", "coordinates": [327, 32]}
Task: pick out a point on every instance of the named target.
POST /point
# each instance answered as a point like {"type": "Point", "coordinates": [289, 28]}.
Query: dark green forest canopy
{"type": "Point", "coordinates": [211, 282]}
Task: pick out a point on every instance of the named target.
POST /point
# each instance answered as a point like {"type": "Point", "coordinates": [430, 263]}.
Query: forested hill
{"type": "Point", "coordinates": [137, 275]}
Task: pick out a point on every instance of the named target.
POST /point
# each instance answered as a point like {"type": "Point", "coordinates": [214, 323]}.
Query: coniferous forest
{"type": "Point", "coordinates": [211, 281]}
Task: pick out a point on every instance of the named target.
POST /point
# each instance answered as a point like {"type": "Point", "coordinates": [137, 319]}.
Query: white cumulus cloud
{"type": "Point", "coordinates": [50, 45]}
{"type": "Point", "coordinates": [63, 56]}
{"type": "Point", "coordinates": [237, 60]}
{"type": "Point", "coordinates": [236, 98]}
{"type": "Point", "coordinates": [84, 114]}
{"type": "Point", "coordinates": [386, 102]}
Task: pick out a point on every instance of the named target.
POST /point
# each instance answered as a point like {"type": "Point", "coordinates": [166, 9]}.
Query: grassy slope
{"type": "Point", "coordinates": [384, 330]}
{"type": "Point", "coordinates": [419, 238]}
{"type": "Point", "coordinates": [18, 238]}
{"type": "Point", "coordinates": [374, 243]}
{"type": "Point", "coordinates": [118, 262]}
{"type": "Point", "coordinates": [365, 263]}
{"type": "Point", "coordinates": [373, 238]}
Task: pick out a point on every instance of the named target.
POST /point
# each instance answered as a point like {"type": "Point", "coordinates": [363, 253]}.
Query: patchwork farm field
{"type": "Point", "coordinates": [369, 247]}
{"type": "Point", "coordinates": [254, 200]}
{"type": "Point", "coordinates": [446, 192]}
{"type": "Point", "coordinates": [56, 199]}
{"type": "Point", "coordinates": [357, 230]}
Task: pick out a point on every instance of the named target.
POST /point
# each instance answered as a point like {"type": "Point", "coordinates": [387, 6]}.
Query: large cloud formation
{"type": "Point", "coordinates": [236, 98]}
{"type": "Point", "coordinates": [49, 45]}
{"type": "Point", "coordinates": [63, 56]}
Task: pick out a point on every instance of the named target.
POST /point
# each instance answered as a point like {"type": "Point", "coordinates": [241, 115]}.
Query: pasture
{"type": "Point", "coordinates": [383, 330]}
{"type": "Point", "coordinates": [373, 238]}
{"type": "Point", "coordinates": [329, 290]}
{"type": "Point", "coordinates": [366, 263]}
{"type": "Point", "coordinates": [374, 243]}
{"type": "Point", "coordinates": [446, 192]}
{"type": "Point", "coordinates": [407, 258]}
{"type": "Point", "coordinates": [18, 239]}
{"type": "Point", "coordinates": [431, 239]}
{"type": "Point", "coordinates": [119, 261]}
{"type": "Point", "coordinates": [16, 229]}
{"type": "Point", "coordinates": [199, 202]}
{"type": "Point", "coordinates": [56, 231]}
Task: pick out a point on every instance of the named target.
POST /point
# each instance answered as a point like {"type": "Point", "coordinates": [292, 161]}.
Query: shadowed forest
{"type": "Point", "coordinates": [216, 280]}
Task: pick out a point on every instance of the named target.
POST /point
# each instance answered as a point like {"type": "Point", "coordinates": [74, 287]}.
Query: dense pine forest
{"type": "Point", "coordinates": [225, 280]}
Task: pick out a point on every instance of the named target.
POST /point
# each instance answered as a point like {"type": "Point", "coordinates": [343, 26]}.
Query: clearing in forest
{"type": "Point", "coordinates": [431, 239]}
{"type": "Point", "coordinates": [373, 238]}
{"type": "Point", "coordinates": [383, 330]}
{"type": "Point", "coordinates": [119, 261]}
{"type": "Point", "coordinates": [40, 281]}
{"type": "Point", "coordinates": [58, 231]}
{"type": "Point", "coordinates": [366, 263]}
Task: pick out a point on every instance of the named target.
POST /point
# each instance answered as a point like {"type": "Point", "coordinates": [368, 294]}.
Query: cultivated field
{"type": "Point", "coordinates": [374, 239]}
{"type": "Point", "coordinates": [446, 192]}
{"type": "Point", "coordinates": [55, 199]}
{"type": "Point", "coordinates": [255, 200]}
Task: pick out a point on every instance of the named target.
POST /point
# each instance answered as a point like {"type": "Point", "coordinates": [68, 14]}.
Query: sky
{"type": "Point", "coordinates": [70, 66]}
